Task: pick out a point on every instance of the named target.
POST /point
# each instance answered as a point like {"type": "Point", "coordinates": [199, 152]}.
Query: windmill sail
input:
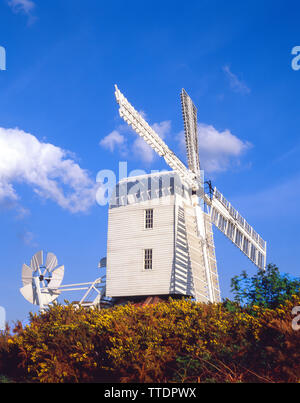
{"type": "Point", "coordinates": [189, 112]}
{"type": "Point", "coordinates": [144, 130]}
{"type": "Point", "coordinates": [228, 220]}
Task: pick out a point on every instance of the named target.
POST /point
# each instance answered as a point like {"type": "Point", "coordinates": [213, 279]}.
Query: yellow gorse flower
{"type": "Point", "coordinates": [145, 343]}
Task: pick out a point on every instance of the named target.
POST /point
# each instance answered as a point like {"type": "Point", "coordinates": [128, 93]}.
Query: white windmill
{"type": "Point", "coordinates": [160, 238]}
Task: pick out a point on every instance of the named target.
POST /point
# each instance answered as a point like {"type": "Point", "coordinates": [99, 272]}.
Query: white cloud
{"type": "Point", "coordinates": [142, 150]}
{"type": "Point", "coordinates": [7, 192]}
{"type": "Point", "coordinates": [217, 149]}
{"type": "Point", "coordinates": [162, 128]}
{"type": "Point", "coordinates": [235, 83]}
{"type": "Point", "coordinates": [46, 168]}
{"type": "Point", "coordinates": [112, 140]}
{"type": "Point", "coordinates": [27, 238]}
{"type": "Point", "coordinates": [25, 6]}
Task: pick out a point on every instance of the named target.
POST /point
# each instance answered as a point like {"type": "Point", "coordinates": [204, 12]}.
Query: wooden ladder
{"type": "Point", "coordinates": [213, 271]}
{"type": "Point", "coordinates": [195, 247]}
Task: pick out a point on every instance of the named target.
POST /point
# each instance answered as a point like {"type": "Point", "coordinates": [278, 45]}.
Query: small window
{"type": "Point", "coordinates": [148, 259]}
{"type": "Point", "coordinates": [149, 219]}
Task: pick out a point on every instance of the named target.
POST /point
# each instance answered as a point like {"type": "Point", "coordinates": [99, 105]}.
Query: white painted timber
{"type": "Point", "coordinates": [127, 241]}
{"type": "Point", "coordinates": [178, 243]}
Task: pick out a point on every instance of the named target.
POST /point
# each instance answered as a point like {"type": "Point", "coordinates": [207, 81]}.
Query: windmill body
{"type": "Point", "coordinates": [154, 246]}
{"type": "Point", "coordinates": [160, 237]}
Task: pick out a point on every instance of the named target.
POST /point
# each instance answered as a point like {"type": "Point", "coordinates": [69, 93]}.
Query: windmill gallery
{"type": "Point", "coordinates": [160, 239]}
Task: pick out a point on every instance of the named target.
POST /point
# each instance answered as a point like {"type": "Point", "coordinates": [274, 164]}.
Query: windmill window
{"type": "Point", "coordinates": [148, 259]}
{"type": "Point", "coordinates": [149, 218]}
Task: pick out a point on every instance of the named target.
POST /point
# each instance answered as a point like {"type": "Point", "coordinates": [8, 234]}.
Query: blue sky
{"type": "Point", "coordinates": [59, 122]}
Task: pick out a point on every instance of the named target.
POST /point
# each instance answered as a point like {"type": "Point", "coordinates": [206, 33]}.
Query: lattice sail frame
{"type": "Point", "coordinates": [189, 112]}
{"type": "Point", "coordinates": [144, 130]}
{"type": "Point", "coordinates": [229, 221]}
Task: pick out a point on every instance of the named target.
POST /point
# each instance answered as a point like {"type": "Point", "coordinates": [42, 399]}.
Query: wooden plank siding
{"type": "Point", "coordinates": [127, 240]}
{"type": "Point", "coordinates": [177, 241]}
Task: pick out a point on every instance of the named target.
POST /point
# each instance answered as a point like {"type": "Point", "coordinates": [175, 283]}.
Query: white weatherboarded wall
{"type": "Point", "coordinates": [127, 240]}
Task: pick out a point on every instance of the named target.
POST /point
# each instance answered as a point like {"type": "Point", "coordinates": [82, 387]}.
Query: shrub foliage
{"type": "Point", "coordinates": [268, 288]}
{"type": "Point", "coordinates": [178, 340]}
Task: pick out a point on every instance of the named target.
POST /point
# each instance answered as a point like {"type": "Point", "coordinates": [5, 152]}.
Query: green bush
{"type": "Point", "coordinates": [178, 340]}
